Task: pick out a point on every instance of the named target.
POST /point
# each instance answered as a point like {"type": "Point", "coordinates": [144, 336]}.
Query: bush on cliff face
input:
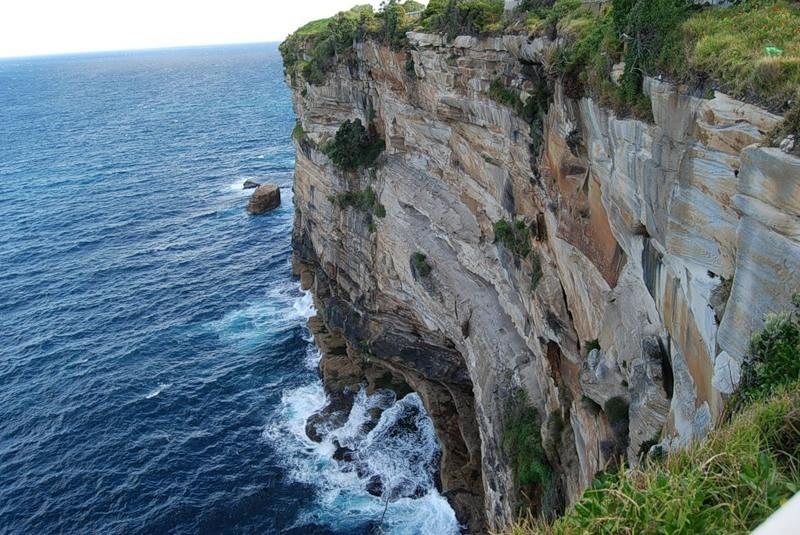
{"type": "Point", "coordinates": [420, 265]}
{"type": "Point", "coordinates": [728, 483]}
{"type": "Point", "coordinates": [354, 146]}
{"type": "Point", "coordinates": [522, 442]}
{"type": "Point", "coordinates": [514, 236]}
{"type": "Point", "coordinates": [774, 355]}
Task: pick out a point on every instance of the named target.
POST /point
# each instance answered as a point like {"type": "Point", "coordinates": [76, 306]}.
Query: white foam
{"type": "Point", "coordinates": [257, 321]}
{"type": "Point", "coordinates": [157, 391]}
{"type": "Point", "coordinates": [403, 456]}
{"type": "Point", "coordinates": [304, 306]}
{"type": "Point", "coordinates": [237, 186]}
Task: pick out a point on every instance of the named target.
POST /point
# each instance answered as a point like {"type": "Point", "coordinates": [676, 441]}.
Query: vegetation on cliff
{"type": "Point", "coordinates": [731, 482]}
{"type": "Point", "coordinates": [522, 442]}
{"type": "Point", "coordinates": [354, 146]}
{"type": "Point", "coordinates": [749, 50]}
{"type": "Point", "coordinates": [316, 48]}
{"type": "Point", "coordinates": [513, 236]}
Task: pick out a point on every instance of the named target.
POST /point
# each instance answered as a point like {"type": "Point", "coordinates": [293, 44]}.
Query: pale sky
{"type": "Point", "coordinates": [33, 27]}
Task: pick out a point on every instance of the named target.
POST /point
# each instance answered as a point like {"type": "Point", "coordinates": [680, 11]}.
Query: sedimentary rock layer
{"type": "Point", "coordinates": [656, 249]}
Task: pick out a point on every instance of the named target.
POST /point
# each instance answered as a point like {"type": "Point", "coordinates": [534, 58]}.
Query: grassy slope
{"type": "Point", "coordinates": [730, 482]}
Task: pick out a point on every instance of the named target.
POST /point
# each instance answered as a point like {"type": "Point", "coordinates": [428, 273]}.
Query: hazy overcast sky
{"type": "Point", "coordinates": [29, 27]}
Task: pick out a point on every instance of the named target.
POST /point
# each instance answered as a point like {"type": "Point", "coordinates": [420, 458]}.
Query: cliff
{"type": "Point", "coordinates": [593, 275]}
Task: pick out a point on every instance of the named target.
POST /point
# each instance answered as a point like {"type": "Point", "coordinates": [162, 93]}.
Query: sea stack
{"type": "Point", "coordinates": [264, 198]}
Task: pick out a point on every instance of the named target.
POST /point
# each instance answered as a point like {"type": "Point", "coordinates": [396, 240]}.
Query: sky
{"type": "Point", "coordinates": [36, 27]}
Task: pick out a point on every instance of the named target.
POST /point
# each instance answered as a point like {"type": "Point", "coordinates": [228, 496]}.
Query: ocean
{"type": "Point", "coordinates": [155, 367]}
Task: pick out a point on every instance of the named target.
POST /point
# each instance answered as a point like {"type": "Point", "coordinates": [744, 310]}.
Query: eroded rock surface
{"type": "Point", "coordinates": [656, 250]}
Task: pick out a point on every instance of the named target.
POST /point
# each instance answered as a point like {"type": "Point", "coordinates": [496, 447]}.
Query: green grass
{"type": "Point", "coordinates": [730, 45]}
{"type": "Point", "coordinates": [750, 50]}
{"type": "Point", "coordinates": [728, 483]}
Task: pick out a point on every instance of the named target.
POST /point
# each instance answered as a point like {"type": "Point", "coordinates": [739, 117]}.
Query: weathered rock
{"type": "Point", "coordinates": [635, 225]}
{"type": "Point", "coordinates": [265, 197]}
{"type": "Point", "coordinates": [249, 184]}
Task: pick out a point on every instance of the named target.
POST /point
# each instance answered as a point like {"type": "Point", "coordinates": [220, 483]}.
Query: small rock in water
{"type": "Point", "coordinates": [375, 486]}
{"type": "Point", "coordinates": [249, 184]}
{"type": "Point", "coordinates": [342, 453]}
{"type": "Point", "coordinates": [265, 198]}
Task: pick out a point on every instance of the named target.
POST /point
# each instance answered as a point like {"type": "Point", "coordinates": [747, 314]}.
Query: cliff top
{"type": "Point", "coordinates": [749, 50]}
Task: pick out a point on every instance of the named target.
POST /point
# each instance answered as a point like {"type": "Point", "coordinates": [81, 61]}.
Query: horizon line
{"type": "Point", "coordinates": [127, 50]}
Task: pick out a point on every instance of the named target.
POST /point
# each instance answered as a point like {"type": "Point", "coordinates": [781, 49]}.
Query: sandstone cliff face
{"type": "Point", "coordinates": [660, 246]}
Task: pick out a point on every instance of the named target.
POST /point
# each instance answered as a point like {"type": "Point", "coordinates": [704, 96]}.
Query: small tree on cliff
{"type": "Point", "coordinates": [354, 146]}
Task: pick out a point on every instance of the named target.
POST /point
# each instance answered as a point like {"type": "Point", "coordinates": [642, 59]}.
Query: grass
{"type": "Point", "coordinates": [749, 50]}
{"type": "Point", "coordinates": [729, 483]}
{"type": "Point", "coordinates": [774, 355]}
{"type": "Point", "coordinates": [419, 262]}
{"type": "Point", "coordinates": [752, 49]}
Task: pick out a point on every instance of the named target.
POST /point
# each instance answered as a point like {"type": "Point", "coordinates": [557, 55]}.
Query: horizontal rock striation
{"type": "Point", "coordinates": [647, 254]}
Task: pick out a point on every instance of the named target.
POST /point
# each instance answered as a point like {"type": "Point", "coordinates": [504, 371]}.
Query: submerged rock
{"type": "Point", "coordinates": [249, 184]}
{"type": "Point", "coordinates": [265, 198]}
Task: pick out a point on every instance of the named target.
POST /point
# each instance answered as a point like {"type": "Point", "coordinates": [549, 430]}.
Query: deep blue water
{"type": "Point", "coordinates": [155, 370]}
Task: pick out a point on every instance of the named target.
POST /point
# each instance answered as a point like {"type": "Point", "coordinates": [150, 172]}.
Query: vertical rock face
{"type": "Point", "coordinates": [656, 249]}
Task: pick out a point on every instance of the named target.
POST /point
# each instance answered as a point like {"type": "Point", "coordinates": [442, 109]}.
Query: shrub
{"type": "Point", "coordinates": [419, 262]}
{"type": "Point", "coordinates": [313, 50]}
{"type": "Point", "coordinates": [522, 442]}
{"type": "Point", "coordinates": [514, 237]}
{"type": "Point", "coordinates": [462, 17]}
{"type": "Point", "coordinates": [354, 146]}
{"type": "Point", "coordinates": [364, 200]}
{"type": "Point", "coordinates": [499, 92]}
{"type": "Point", "coordinates": [298, 133]}
{"type": "Point", "coordinates": [591, 345]}
{"type": "Point", "coordinates": [774, 354]}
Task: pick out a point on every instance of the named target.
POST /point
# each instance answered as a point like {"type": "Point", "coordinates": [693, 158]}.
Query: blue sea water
{"type": "Point", "coordinates": [155, 369]}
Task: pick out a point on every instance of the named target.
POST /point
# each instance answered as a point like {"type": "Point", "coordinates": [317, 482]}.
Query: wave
{"type": "Point", "coordinates": [400, 451]}
{"type": "Point", "coordinates": [281, 309]}
{"type": "Point", "coordinates": [157, 391]}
